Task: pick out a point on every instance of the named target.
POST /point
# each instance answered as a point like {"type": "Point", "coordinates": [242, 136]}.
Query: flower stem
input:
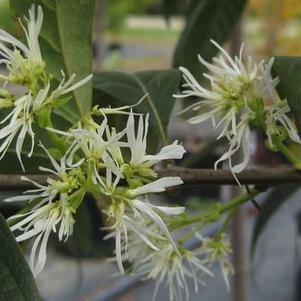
{"type": "Point", "coordinates": [288, 154]}
{"type": "Point", "coordinates": [229, 206]}
{"type": "Point", "coordinates": [213, 214]}
{"type": "Point", "coordinates": [242, 198]}
{"type": "Point", "coordinates": [226, 223]}
{"type": "Point", "coordinates": [57, 141]}
{"type": "Point", "coordinates": [190, 234]}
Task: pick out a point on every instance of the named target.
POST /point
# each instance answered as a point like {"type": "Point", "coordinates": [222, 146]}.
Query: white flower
{"type": "Point", "coordinates": [240, 141]}
{"type": "Point", "coordinates": [138, 143]}
{"type": "Point", "coordinates": [53, 206]}
{"type": "Point", "coordinates": [131, 217]}
{"type": "Point", "coordinates": [231, 85]}
{"type": "Point", "coordinates": [33, 32]}
{"type": "Point", "coordinates": [128, 211]}
{"type": "Point", "coordinates": [136, 247]}
{"type": "Point", "coordinates": [21, 120]}
{"type": "Point", "coordinates": [168, 267]}
{"type": "Point", "coordinates": [39, 223]}
{"type": "Point", "coordinates": [239, 95]}
{"type": "Point", "coordinates": [24, 61]}
{"type": "Point", "coordinates": [23, 114]}
{"type": "Point", "coordinates": [63, 182]}
{"type": "Point", "coordinates": [26, 68]}
{"type": "Point", "coordinates": [96, 148]}
{"type": "Point", "coordinates": [276, 116]}
{"type": "Point", "coordinates": [32, 50]}
{"type": "Point", "coordinates": [159, 185]}
{"type": "Point", "coordinates": [114, 148]}
{"type": "Point", "coordinates": [265, 85]}
{"type": "Point", "coordinates": [217, 250]}
{"type": "Point", "coordinates": [67, 86]}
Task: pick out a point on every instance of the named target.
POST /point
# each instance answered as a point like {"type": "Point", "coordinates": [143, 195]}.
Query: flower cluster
{"type": "Point", "coordinates": [26, 68]}
{"type": "Point", "coordinates": [217, 250]}
{"type": "Point", "coordinates": [95, 162]}
{"type": "Point", "coordinates": [49, 207]}
{"type": "Point", "coordinates": [240, 95]}
{"type": "Point", "coordinates": [93, 157]}
{"type": "Point", "coordinates": [125, 181]}
{"type": "Point", "coordinates": [174, 268]}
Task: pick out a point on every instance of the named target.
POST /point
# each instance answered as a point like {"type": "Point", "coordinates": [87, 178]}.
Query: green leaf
{"type": "Point", "coordinates": [119, 89]}
{"type": "Point", "coordinates": [16, 280]}
{"type": "Point", "coordinates": [66, 44]}
{"type": "Point", "coordinates": [206, 19]}
{"type": "Point", "coordinates": [288, 69]}
{"type": "Point", "coordinates": [11, 165]}
{"type": "Point", "coordinates": [274, 200]}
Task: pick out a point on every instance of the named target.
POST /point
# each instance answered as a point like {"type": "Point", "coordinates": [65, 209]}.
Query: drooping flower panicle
{"type": "Point", "coordinates": [26, 67]}
{"type": "Point", "coordinates": [240, 95]}
{"type": "Point", "coordinates": [24, 62]}
{"type": "Point", "coordinates": [53, 207]}
{"type": "Point", "coordinates": [96, 161]}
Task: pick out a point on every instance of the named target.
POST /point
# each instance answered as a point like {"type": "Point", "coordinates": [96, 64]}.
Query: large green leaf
{"type": "Point", "coordinates": [206, 19]}
{"type": "Point", "coordinates": [274, 200]}
{"type": "Point", "coordinates": [288, 69]}
{"type": "Point", "coordinates": [66, 44]}
{"type": "Point", "coordinates": [16, 280]}
{"type": "Point", "coordinates": [158, 87]}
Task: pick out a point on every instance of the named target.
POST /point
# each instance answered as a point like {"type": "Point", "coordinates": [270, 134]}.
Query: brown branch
{"type": "Point", "coordinates": [259, 176]}
{"type": "Point", "coordinates": [14, 182]}
{"type": "Point", "coordinates": [190, 176]}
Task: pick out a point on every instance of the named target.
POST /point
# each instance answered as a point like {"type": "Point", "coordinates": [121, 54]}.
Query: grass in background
{"type": "Point", "coordinates": [162, 39]}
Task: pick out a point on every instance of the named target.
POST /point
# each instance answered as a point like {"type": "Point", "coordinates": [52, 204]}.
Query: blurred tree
{"type": "Point", "coordinates": [276, 15]}
{"type": "Point", "coordinates": [288, 8]}
{"type": "Point", "coordinates": [99, 28]}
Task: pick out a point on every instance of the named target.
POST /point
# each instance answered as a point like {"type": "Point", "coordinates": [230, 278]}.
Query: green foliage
{"type": "Point", "coordinates": [6, 21]}
{"type": "Point", "coordinates": [274, 200]}
{"type": "Point", "coordinates": [66, 44]}
{"type": "Point", "coordinates": [288, 71]}
{"type": "Point", "coordinates": [157, 88]}
{"type": "Point", "coordinates": [11, 165]}
{"type": "Point", "coordinates": [206, 19]}
{"type": "Point", "coordinates": [16, 280]}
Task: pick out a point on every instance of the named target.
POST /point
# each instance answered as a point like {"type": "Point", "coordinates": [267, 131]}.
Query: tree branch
{"type": "Point", "coordinates": [259, 176]}
{"type": "Point", "coordinates": [190, 176]}
{"type": "Point", "coordinates": [14, 182]}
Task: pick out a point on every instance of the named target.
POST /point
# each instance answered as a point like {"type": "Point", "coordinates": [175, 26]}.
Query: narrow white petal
{"type": "Point", "coordinates": [157, 186]}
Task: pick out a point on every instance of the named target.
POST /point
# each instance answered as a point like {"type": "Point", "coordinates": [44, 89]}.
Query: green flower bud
{"type": "Point", "coordinates": [6, 99]}
{"type": "Point", "coordinates": [24, 71]}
